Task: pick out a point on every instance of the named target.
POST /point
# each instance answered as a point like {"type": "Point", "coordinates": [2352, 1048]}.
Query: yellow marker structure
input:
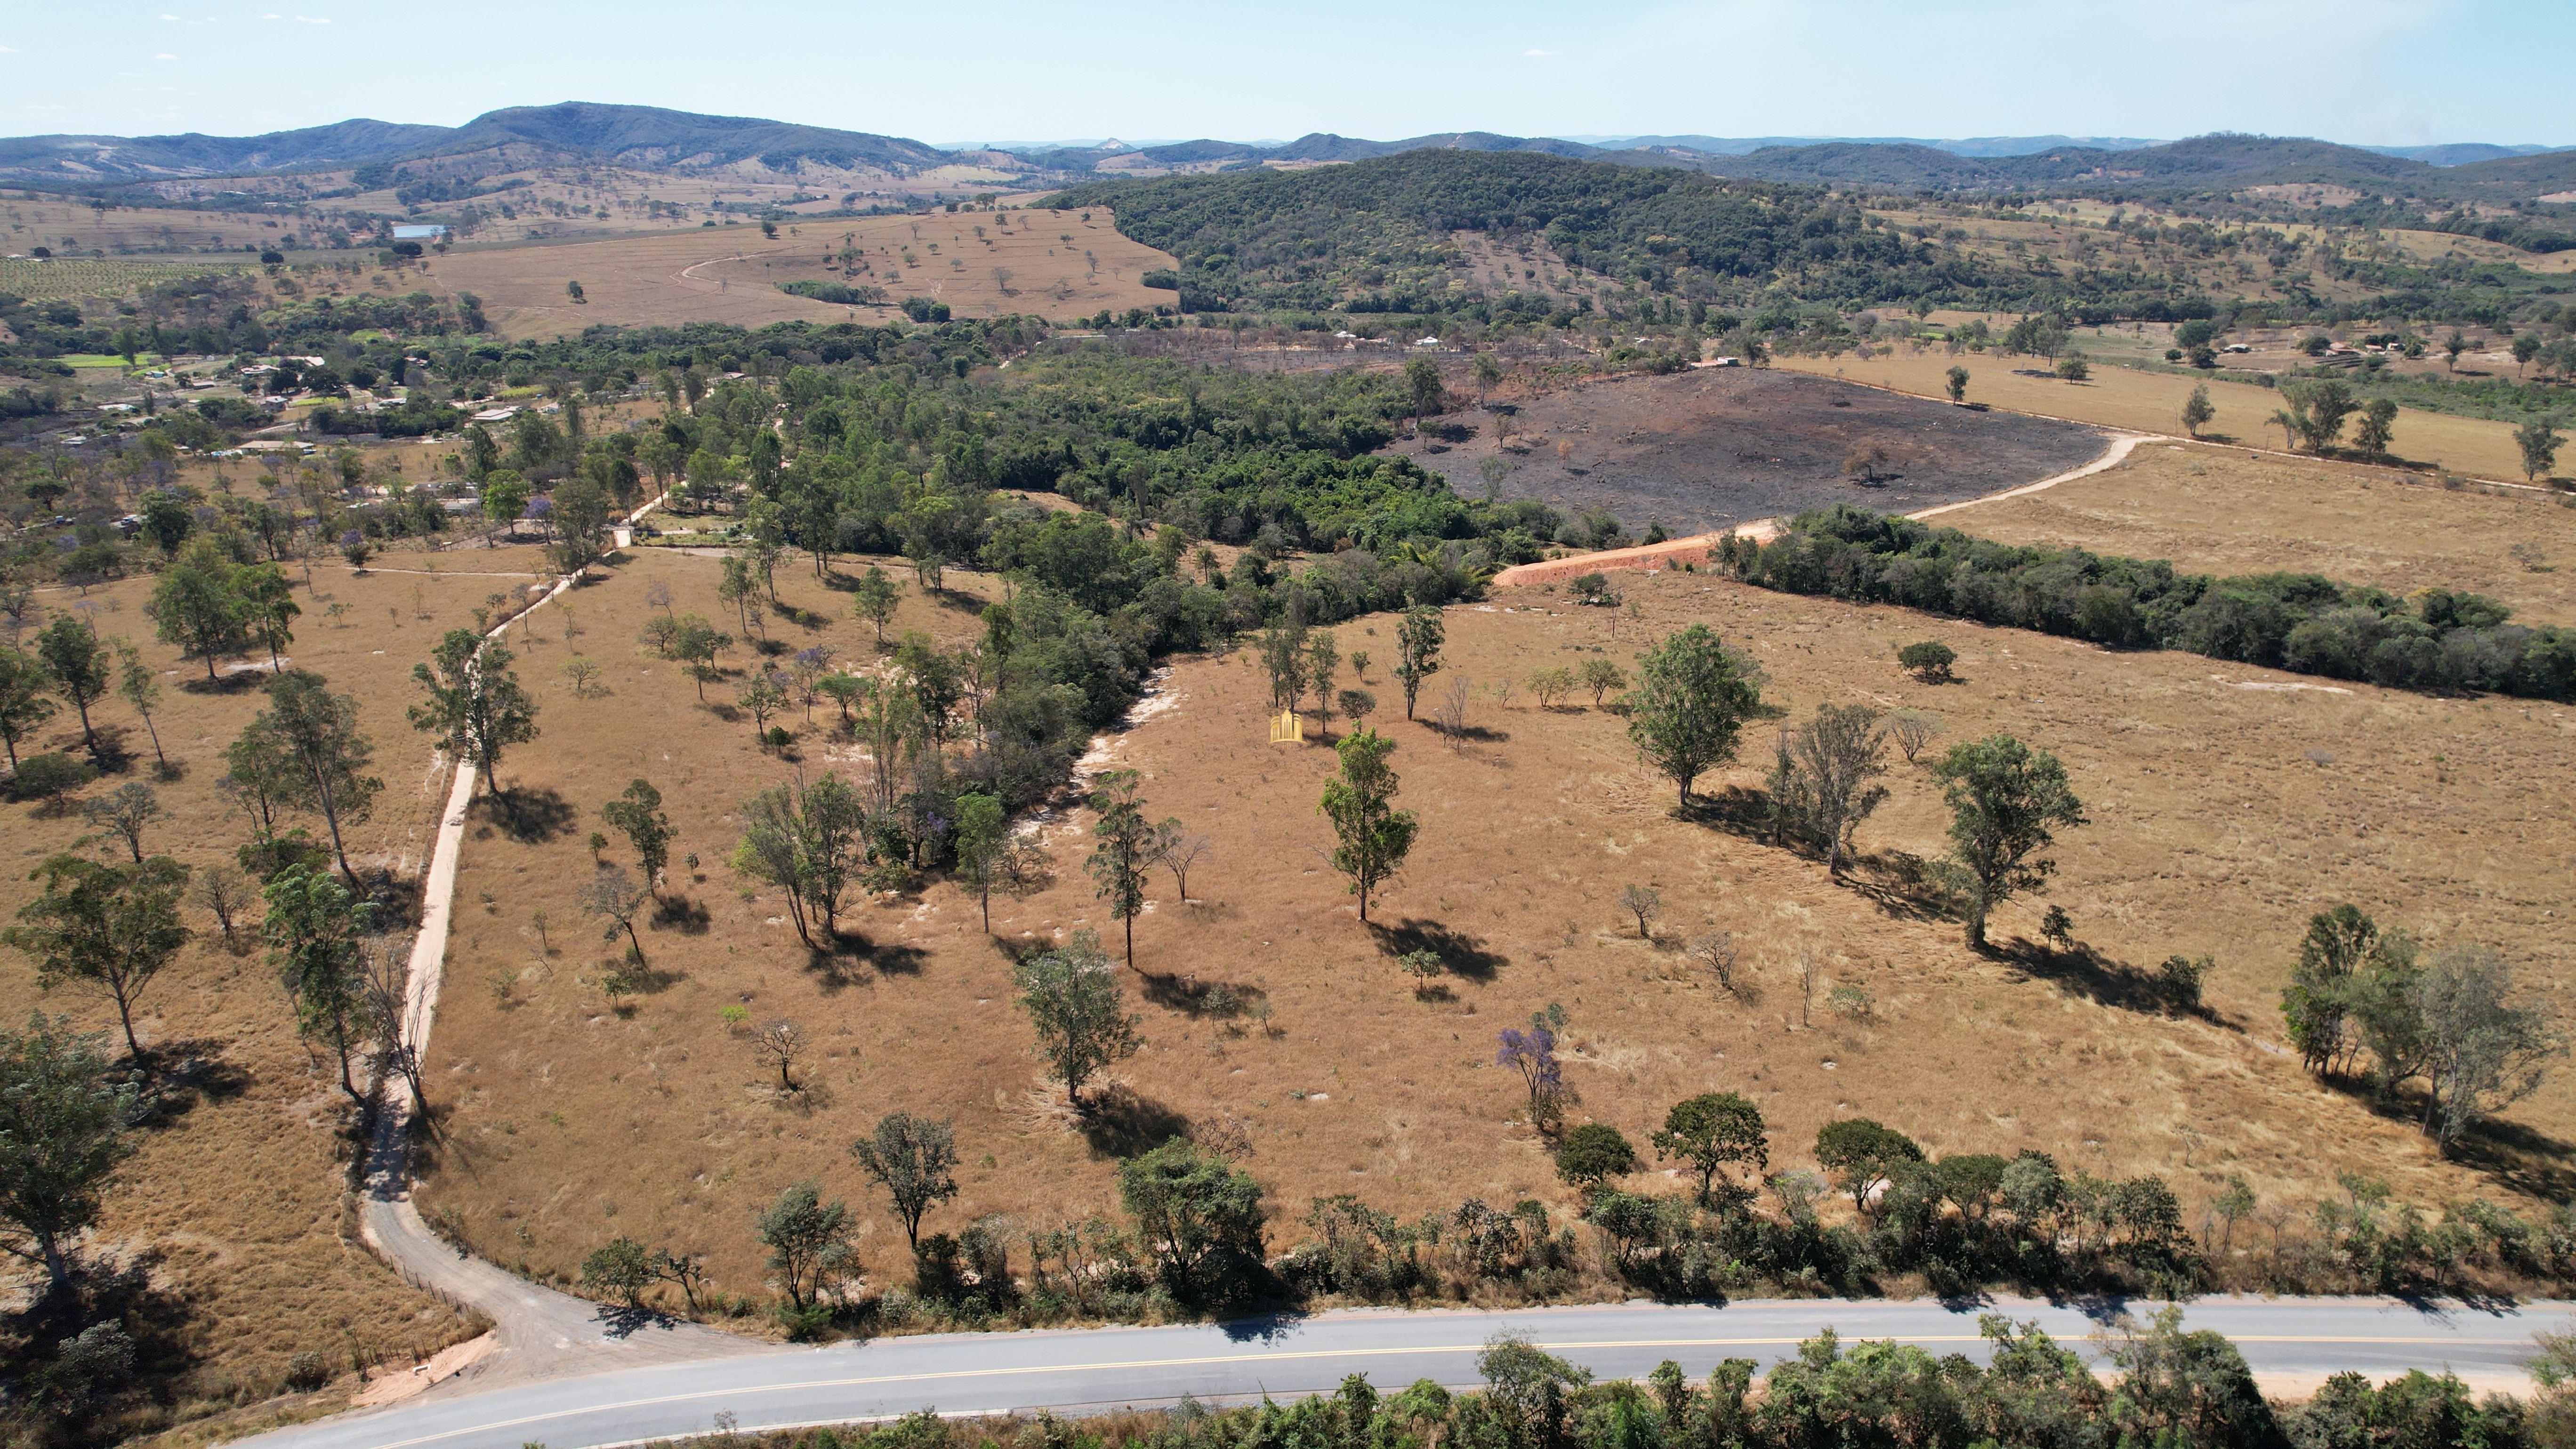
{"type": "Point", "coordinates": [1288, 729]}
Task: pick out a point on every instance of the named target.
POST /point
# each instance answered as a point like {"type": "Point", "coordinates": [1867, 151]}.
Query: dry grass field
{"type": "Point", "coordinates": [67, 227]}
{"type": "Point", "coordinates": [241, 1195]}
{"type": "Point", "coordinates": [2218, 510]}
{"type": "Point", "coordinates": [2152, 403]}
{"type": "Point", "coordinates": [2227, 805]}
{"type": "Point", "coordinates": [1021, 263]}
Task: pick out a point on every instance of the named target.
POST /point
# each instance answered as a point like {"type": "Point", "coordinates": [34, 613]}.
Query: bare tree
{"type": "Point", "coordinates": [1717, 951]}
{"type": "Point", "coordinates": [1913, 729]}
{"type": "Point", "coordinates": [1450, 715]}
{"type": "Point", "coordinates": [781, 1044]}
{"type": "Point", "coordinates": [1179, 852]}
{"type": "Point", "coordinates": [1645, 903]}
{"type": "Point", "coordinates": [224, 892]}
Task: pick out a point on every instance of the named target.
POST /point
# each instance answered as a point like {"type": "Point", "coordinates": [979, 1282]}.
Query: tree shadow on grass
{"type": "Point", "coordinates": [1120, 1122]}
{"type": "Point", "coordinates": [1193, 997]}
{"type": "Point", "coordinates": [1896, 882]}
{"type": "Point", "coordinates": [684, 914]}
{"type": "Point", "coordinates": [2104, 980]}
{"type": "Point", "coordinates": [1734, 809]}
{"type": "Point", "coordinates": [530, 816]}
{"type": "Point", "coordinates": [182, 1074]}
{"type": "Point", "coordinates": [1460, 954]}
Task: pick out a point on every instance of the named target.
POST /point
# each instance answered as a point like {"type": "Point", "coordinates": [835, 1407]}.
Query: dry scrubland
{"type": "Point", "coordinates": [242, 1194]}
{"type": "Point", "coordinates": [68, 226]}
{"type": "Point", "coordinates": [2223, 814]}
{"type": "Point", "coordinates": [2220, 511]}
{"type": "Point", "coordinates": [729, 274]}
{"type": "Point", "coordinates": [2152, 403]}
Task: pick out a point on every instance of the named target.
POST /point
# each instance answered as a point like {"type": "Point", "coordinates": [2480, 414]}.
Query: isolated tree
{"type": "Point", "coordinates": [476, 705]}
{"type": "Point", "coordinates": [1955, 381]}
{"type": "Point", "coordinates": [2318, 410]}
{"type": "Point", "coordinates": [875, 599]}
{"type": "Point", "coordinates": [1912, 730]}
{"type": "Point", "coordinates": [1122, 863]}
{"type": "Point", "coordinates": [1283, 658]}
{"type": "Point", "coordinates": [2004, 798]}
{"type": "Point", "coordinates": [1179, 850]}
{"type": "Point", "coordinates": [2452, 347]}
{"type": "Point", "coordinates": [124, 812]}
{"type": "Point", "coordinates": [2539, 444]}
{"type": "Point", "coordinates": [1840, 755]}
{"type": "Point", "coordinates": [26, 700]}
{"type": "Point", "coordinates": [505, 499]}
{"type": "Point", "coordinates": [1372, 836]}
{"type": "Point", "coordinates": [1863, 1156]}
{"type": "Point", "coordinates": [63, 1129]}
{"type": "Point", "coordinates": [2481, 1052]}
{"type": "Point", "coordinates": [761, 697]}
{"type": "Point", "coordinates": [1418, 635]}
{"type": "Point", "coordinates": [616, 898]}
{"type": "Point", "coordinates": [1532, 1054]}
{"type": "Point", "coordinates": [1072, 997]}
{"type": "Point", "coordinates": [1601, 676]}
{"type": "Point", "coordinates": [1323, 658]}
{"type": "Point", "coordinates": [1593, 1153]}
{"type": "Point", "coordinates": [104, 928]}
{"type": "Point", "coordinates": [319, 730]}
{"type": "Point", "coordinates": [2343, 949]}
{"type": "Point", "coordinates": [1645, 903]}
{"type": "Point", "coordinates": [809, 1243]}
{"type": "Point", "coordinates": [2197, 410]}
{"type": "Point", "coordinates": [621, 1267]}
{"type": "Point", "coordinates": [195, 608]}
{"type": "Point", "coordinates": [223, 892]}
{"type": "Point", "coordinates": [637, 815]}
{"type": "Point", "coordinates": [140, 687]}
{"type": "Point", "coordinates": [268, 608]}
{"type": "Point", "coordinates": [1199, 1215]}
{"type": "Point", "coordinates": [316, 935]}
{"type": "Point", "coordinates": [983, 845]}
{"type": "Point", "coordinates": [77, 663]}
{"type": "Point", "coordinates": [1712, 1132]}
{"type": "Point", "coordinates": [2377, 429]}
{"type": "Point", "coordinates": [260, 776]}
{"type": "Point", "coordinates": [803, 845]}
{"type": "Point", "coordinates": [1928, 660]}
{"type": "Point", "coordinates": [695, 643]}
{"type": "Point", "coordinates": [1693, 695]}
{"type": "Point", "coordinates": [914, 1159]}
{"type": "Point", "coordinates": [1423, 389]}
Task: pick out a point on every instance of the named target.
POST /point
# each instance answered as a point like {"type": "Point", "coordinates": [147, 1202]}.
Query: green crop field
{"type": "Point", "coordinates": [70, 278]}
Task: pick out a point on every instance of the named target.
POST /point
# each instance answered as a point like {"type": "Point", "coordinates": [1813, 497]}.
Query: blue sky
{"type": "Point", "coordinates": [2389, 72]}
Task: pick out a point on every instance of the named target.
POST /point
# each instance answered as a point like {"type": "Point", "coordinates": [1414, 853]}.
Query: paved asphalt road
{"type": "Point", "coordinates": [1107, 1368]}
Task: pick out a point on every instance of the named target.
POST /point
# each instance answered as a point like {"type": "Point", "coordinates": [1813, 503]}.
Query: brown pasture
{"type": "Point", "coordinates": [241, 1195]}
{"type": "Point", "coordinates": [2219, 510]}
{"type": "Point", "coordinates": [2226, 805]}
{"type": "Point", "coordinates": [2147, 402]}
{"type": "Point", "coordinates": [730, 274]}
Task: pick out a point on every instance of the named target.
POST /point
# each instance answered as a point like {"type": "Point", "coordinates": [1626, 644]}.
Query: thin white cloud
{"type": "Point", "coordinates": [165, 55]}
{"type": "Point", "coordinates": [311, 20]}
{"type": "Point", "coordinates": [1536, 51]}
{"type": "Point", "coordinates": [5, 50]}
{"type": "Point", "coordinates": [168, 16]}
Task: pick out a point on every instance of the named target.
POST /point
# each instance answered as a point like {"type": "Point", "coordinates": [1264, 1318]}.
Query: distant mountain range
{"type": "Point", "coordinates": [646, 136]}
{"type": "Point", "coordinates": [633, 135]}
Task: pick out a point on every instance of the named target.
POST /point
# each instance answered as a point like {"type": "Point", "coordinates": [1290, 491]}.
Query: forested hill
{"type": "Point", "coordinates": [1375, 236]}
